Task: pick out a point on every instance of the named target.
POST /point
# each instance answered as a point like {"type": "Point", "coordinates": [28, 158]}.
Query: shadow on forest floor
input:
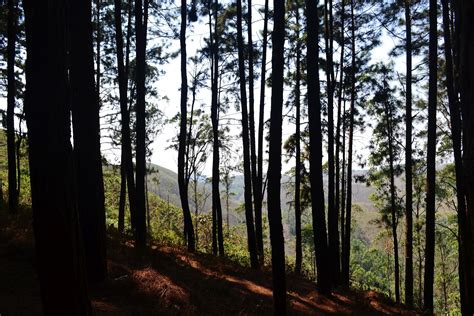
{"type": "Point", "coordinates": [171, 282]}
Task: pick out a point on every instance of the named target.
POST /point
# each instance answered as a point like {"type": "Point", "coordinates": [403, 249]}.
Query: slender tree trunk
{"type": "Point", "coordinates": [18, 160]}
{"type": "Point", "coordinates": [98, 56]}
{"type": "Point", "coordinates": [140, 229]}
{"type": "Point", "coordinates": [333, 216]}
{"type": "Point", "coordinates": [123, 194]}
{"type": "Point", "coordinates": [253, 150]}
{"type": "Point", "coordinates": [348, 205]}
{"type": "Point", "coordinates": [11, 34]}
{"type": "Point", "coordinates": [183, 187]}
{"type": "Point", "coordinates": [298, 249]}
{"type": "Point", "coordinates": [59, 257]}
{"type": "Point", "coordinates": [408, 164]}
{"type": "Point", "coordinates": [252, 246]}
{"type": "Point", "coordinates": [315, 134]}
{"type": "Point", "coordinates": [338, 133]}
{"type": "Point", "coordinates": [261, 124]}
{"type": "Point", "coordinates": [431, 162]}
{"type": "Point", "coordinates": [126, 165]}
{"type": "Point", "coordinates": [196, 210]}
{"type": "Point", "coordinates": [86, 128]}
{"type": "Point", "coordinates": [388, 116]}
{"type": "Point", "coordinates": [465, 14]}
{"type": "Point", "coordinates": [216, 196]}
{"type": "Point", "coordinates": [456, 139]}
{"type": "Point", "coordinates": [274, 163]}
{"type": "Point", "coordinates": [343, 187]}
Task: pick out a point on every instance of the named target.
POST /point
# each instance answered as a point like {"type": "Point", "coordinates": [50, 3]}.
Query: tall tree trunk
{"type": "Point", "coordinates": [333, 215]}
{"type": "Point", "coordinates": [126, 164]}
{"type": "Point", "coordinates": [86, 128]}
{"type": "Point", "coordinates": [261, 124]}
{"type": "Point", "coordinates": [252, 246]}
{"type": "Point", "coordinates": [340, 114]}
{"type": "Point", "coordinates": [343, 189]}
{"type": "Point", "coordinates": [457, 151]}
{"type": "Point", "coordinates": [298, 248]}
{"type": "Point", "coordinates": [123, 193]}
{"type": "Point", "coordinates": [215, 136]}
{"type": "Point", "coordinates": [431, 162]}
{"type": "Point", "coordinates": [316, 150]}
{"type": "Point", "coordinates": [182, 183]}
{"type": "Point", "coordinates": [348, 205]}
{"type": "Point", "coordinates": [408, 164]}
{"type": "Point", "coordinates": [140, 229]}
{"type": "Point", "coordinates": [59, 257]}
{"type": "Point", "coordinates": [253, 150]}
{"type": "Point", "coordinates": [393, 205]}
{"type": "Point", "coordinates": [12, 185]}
{"type": "Point", "coordinates": [216, 196]}
{"type": "Point", "coordinates": [466, 50]}
{"type": "Point", "coordinates": [98, 40]}
{"type": "Point", "coordinates": [274, 163]}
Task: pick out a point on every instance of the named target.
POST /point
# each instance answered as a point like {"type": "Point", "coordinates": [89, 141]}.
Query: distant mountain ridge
{"type": "Point", "coordinates": [164, 183]}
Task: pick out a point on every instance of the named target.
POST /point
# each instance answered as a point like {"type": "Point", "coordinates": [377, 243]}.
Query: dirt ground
{"type": "Point", "coordinates": [172, 282]}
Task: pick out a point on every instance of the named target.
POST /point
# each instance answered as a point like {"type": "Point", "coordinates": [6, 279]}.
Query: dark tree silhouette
{"type": "Point", "coordinates": [182, 184]}
{"type": "Point", "coordinates": [86, 128]}
{"type": "Point", "coordinates": [274, 162]}
{"type": "Point", "coordinates": [465, 39]}
{"type": "Point", "coordinates": [298, 248]}
{"type": "Point", "coordinates": [252, 246]}
{"type": "Point", "coordinates": [126, 163]}
{"type": "Point", "coordinates": [59, 260]}
{"type": "Point", "coordinates": [261, 124]}
{"type": "Point", "coordinates": [339, 200]}
{"type": "Point", "coordinates": [333, 214]}
{"type": "Point", "coordinates": [455, 120]}
{"type": "Point", "coordinates": [408, 163]}
{"type": "Point", "coordinates": [431, 162]}
{"type": "Point", "coordinates": [253, 150]}
{"type": "Point", "coordinates": [316, 150]}
{"type": "Point", "coordinates": [11, 35]}
{"type": "Point", "coordinates": [346, 247]}
{"type": "Point", "coordinates": [140, 217]}
{"type": "Point", "coordinates": [218, 237]}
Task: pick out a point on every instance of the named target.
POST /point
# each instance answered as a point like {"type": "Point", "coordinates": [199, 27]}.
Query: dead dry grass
{"type": "Point", "coordinates": [170, 281]}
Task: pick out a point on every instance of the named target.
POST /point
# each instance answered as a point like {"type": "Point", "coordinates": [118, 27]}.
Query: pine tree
{"type": "Point", "coordinates": [252, 246]}
{"type": "Point", "coordinates": [431, 162]}
{"type": "Point", "coordinates": [316, 173]}
{"type": "Point", "coordinates": [274, 163]}
{"type": "Point", "coordinates": [86, 128]}
{"type": "Point", "coordinates": [59, 259]}
{"type": "Point", "coordinates": [11, 82]}
{"type": "Point", "coordinates": [183, 187]}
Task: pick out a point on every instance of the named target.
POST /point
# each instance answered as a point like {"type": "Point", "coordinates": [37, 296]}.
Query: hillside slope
{"type": "Point", "coordinates": [171, 282]}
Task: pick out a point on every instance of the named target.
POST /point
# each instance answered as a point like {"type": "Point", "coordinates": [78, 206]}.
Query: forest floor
{"type": "Point", "coordinates": [172, 282]}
